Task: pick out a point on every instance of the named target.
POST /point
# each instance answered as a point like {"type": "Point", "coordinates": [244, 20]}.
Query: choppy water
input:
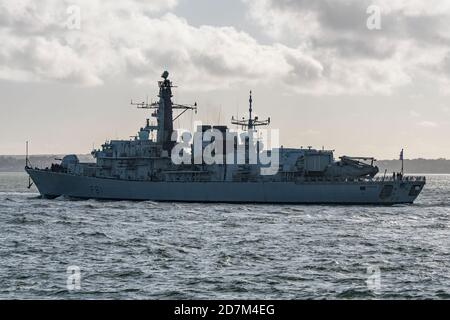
{"type": "Point", "coordinates": [182, 251]}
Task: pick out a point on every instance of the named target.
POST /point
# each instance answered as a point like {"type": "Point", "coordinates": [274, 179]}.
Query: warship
{"type": "Point", "coordinates": [154, 165]}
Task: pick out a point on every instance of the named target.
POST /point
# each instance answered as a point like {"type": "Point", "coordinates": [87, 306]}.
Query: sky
{"type": "Point", "coordinates": [363, 78]}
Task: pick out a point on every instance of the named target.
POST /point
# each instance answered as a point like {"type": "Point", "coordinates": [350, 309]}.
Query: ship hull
{"type": "Point", "coordinates": [53, 184]}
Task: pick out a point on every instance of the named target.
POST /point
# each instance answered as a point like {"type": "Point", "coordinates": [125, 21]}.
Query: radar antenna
{"type": "Point", "coordinates": [250, 123]}
{"type": "Point", "coordinates": [155, 105]}
{"type": "Point", "coordinates": [184, 107]}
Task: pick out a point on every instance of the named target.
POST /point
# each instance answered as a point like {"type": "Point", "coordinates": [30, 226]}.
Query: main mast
{"type": "Point", "coordinates": [164, 113]}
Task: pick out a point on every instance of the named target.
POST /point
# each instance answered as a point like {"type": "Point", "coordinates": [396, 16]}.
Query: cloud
{"type": "Point", "coordinates": [39, 44]}
{"type": "Point", "coordinates": [414, 114]}
{"type": "Point", "coordinates": [135, 40]}
{"type": "Point", "coordinates": [413, 44]}
{"type": "Point", "coordinates": [318, 47]}
{"type": "Point", "coordinates": [428, 124]}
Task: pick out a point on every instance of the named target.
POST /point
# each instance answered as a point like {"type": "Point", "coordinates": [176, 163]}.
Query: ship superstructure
{"type": "Point", "coordinates": [143, 168]}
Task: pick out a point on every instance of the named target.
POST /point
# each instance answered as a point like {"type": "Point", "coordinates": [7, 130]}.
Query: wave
{"type": "Point", "coordinates": [95, 234]}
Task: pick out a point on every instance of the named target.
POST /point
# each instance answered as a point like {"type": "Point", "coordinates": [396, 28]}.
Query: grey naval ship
{"type": "Point", "coordinates": [141, 168]}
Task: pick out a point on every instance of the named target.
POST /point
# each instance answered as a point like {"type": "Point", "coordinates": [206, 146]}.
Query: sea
{"type": "Point", "coordinates": [89, 249]}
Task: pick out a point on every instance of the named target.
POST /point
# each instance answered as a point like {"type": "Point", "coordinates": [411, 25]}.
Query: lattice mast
{"type": "Point", "coordinates": [251, 122]}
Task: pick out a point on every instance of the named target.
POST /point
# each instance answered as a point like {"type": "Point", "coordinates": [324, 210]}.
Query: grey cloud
{"type": "Point", "coordinates": [135, 45]}
{"type": "Point", "coordinates": [130, 40]}
{"type": "Point", "coordinates": [343, 25]}
{"type": "Point", "coordinates": [413, 39]}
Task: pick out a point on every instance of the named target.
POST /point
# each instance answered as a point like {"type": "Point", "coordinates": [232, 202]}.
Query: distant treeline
{"type": "Point", "coordinates": [17, 163]}
{"type": "Point", "coordinates": [415, 165]}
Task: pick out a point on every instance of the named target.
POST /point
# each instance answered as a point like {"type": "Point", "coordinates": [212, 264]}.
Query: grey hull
{"type": "Point", "coordinates": [52, 184]}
